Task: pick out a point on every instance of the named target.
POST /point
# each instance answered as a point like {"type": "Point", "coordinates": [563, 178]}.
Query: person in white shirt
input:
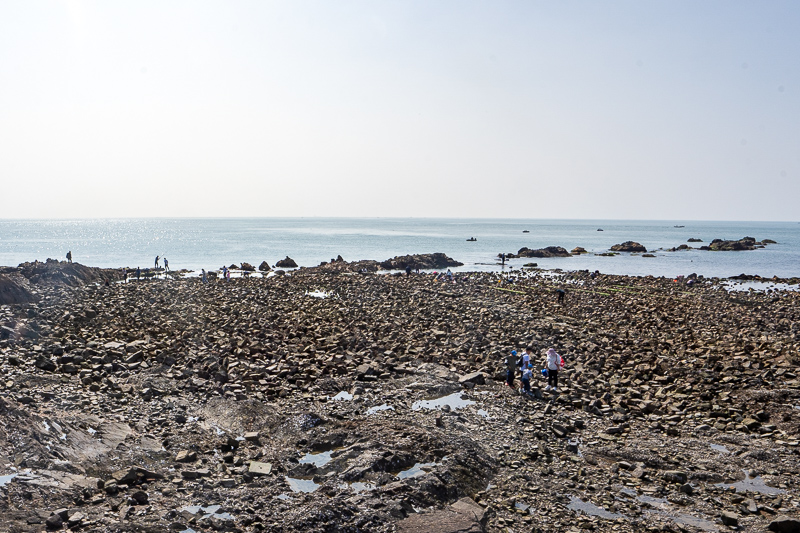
{"type": "Point", "coordinates": [553, 363]}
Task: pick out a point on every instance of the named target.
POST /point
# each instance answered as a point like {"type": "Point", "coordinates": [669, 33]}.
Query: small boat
{"type": "Point", "coordinates": [472, 239]}
{"type": "Point", "coordinates": [678, 226]}
{"type": "Point", "coordinates": [525, 231]}
{"type": "Point", "coordinates": [599, 229]}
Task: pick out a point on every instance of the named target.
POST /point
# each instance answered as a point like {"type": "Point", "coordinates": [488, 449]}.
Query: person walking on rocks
{"type": "Point", "coordinates": [408, 270]}
{"type": "Point", "coordinates": [204, 275]}
{"type": "Point", "coordinates": [553, 363]}
{"type": "Point", "coordinates": [69, 256]}
{"type": "Point", "coordinates": [138, 272]}
{"type": "Point", "coordinates": [511, 368]}
{"type": "Point", "coordinates": [166, 265]}
{"type": "Point", "coordinates": [157, 258]}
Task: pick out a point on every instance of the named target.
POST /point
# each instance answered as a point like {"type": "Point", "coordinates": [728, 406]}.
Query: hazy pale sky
{"type": "Point", "coordinates": [560, 109]}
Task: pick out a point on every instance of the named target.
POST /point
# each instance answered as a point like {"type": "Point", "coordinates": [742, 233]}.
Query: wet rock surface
{"type": "Point", "coordinates": [422, 261]}
{"type": "Point", "coordinates": [303, 402]}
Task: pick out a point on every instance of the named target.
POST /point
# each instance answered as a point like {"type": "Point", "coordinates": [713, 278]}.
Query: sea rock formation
{"type": "Point", "coordinates": [422, 261]}
{"type": "Point", "coordinates": [247, 267]}
{"type": "Point", "coordinates": [578, 250]}
{"type": "Point", "coordinates": [628, 246]}
{"type": "Point", "coordinates": [264, 267]}
{"type": "Point", "coordinates": [550, 251]}
{"type": "Point", "coordinates": [745, 243]}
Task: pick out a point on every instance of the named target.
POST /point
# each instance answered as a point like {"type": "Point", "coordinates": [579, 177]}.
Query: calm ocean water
{"type": "Point", "coordinates": [210, 243]}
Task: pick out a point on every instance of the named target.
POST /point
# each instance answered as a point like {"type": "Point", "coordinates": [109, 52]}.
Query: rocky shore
{"type": "Point", "coordinates": [331, 399]}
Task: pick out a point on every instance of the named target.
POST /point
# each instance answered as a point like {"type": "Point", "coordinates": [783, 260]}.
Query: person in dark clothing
{"type": "Point", "coordinates": [69, 256]}
{"type": "Point", "coordinates": [511, 368]}
{"type": "Point", "coordinates": [408, 270]}
{"type": "Point", "coordinates": [561, 293]}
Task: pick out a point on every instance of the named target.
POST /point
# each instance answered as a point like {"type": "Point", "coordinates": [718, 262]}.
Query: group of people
{"type": "Point", "coordinates": [522, 364]}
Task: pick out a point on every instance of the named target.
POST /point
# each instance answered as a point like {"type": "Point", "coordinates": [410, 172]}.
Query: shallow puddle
{"type": "Point", "coordinates": [317, 459]}
{"type": "Point", "coordinates": [377, 408]}
{"type": "Point", "coordinates": [453, 400]}
{"type": "Point", "coordinates": [415, 471]}
{"type": "Point", "coordinates": [343, 396]}
{"type": "Point", "coordinates": [687, 520]}
{"type": "Point", "coordinates": [719, 448]}
{"type": "Point", "coordinates": [580, 506]}
{"type": "Point", "coordinates": [358, 486]}
{"type": "Point", "coordinates": [655, 502]}
{"type": "Point", "coordinates": [302, 485]}
{"type": "Point", "coordinates": [283, 496]}
{"type": "Point", "coordinates": [522, 506]}
{"type": "Point", "coordinates": [6, 479]}
{"type": "Point", "coordinates": [483, 413]}
{"type": "Point", "coordinates": [751, 484]}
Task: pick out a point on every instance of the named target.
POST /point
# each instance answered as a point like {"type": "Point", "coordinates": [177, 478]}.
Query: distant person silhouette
{"type": "Point", "coordinates": [69, 256]}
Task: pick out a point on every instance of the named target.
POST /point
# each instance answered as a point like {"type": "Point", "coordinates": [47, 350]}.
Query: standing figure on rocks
{"type": "Point", "coordinates": [511, 368]}
{"type": "Point", "coordinates": [408, 270]}
{"type": "Point", "coordinates": [503, 259]}
{"type": "Point", "coordinates": [138, 272]}
{"type": "Point", "coordinates": [125, 275]}
{"type": "Point", "coordinates": [69, 256]}
{"type": "Point", "coordinates": [553, 363]}
{"type": "Point", "coordinates": [203, 274]}
{"type": "Point", "coordinates": [157, 258]}
{"type": "Point", "coordinates": [166, 265]}
{"type": "Point", "coordinates": [225, 272]}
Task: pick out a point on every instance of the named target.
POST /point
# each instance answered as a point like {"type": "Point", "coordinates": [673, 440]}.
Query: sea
{"type": "Point", "coordinates": [210, 243]}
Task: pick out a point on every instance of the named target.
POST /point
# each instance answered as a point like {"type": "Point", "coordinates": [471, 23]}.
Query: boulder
{"type": "Point", "coordinates": [745, 243]}
{"type": "Point", "coordinates": [785, 524]}
{"type": "Point", "coordinates": [628, 246]}
{"type": "Point", "coordinates": [286, 263]}
{"type": "Point", "coordinates": [247, 267]}
{"type": "Point", "coordinates": [478, 378]}
{"type": "Point", "coordinates": [264, 267]}
{"type": "Point", "coordinates": [464, 516]}
{"type": "Point", "coordinates": [578, 250]}
{"type": "Point", "coordinates": [13, 290]}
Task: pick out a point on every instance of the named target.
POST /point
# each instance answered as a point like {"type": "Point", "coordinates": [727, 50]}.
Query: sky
{"type": "Point", "coordinates": [669, 110]}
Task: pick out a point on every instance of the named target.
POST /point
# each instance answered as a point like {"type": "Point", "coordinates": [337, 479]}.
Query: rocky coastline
{"type": "Point", "coordinates": [328, 399]}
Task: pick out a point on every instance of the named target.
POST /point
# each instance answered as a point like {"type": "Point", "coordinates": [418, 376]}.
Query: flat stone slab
{"type": "Point", "coordinates": [262, 469]}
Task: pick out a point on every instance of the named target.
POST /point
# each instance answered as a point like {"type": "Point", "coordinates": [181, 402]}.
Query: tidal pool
{"type": "Point", "coordinates": [453, 400]}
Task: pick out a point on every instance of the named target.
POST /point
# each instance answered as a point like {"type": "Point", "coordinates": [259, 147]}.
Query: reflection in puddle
{"type": "Point", "coordinates": [283, 496]}
{"type": "Point", "coordinates": [343, 396]}
{"type": "Point", "coordinates": [522, 506]}
{"type": "Point", "coordinates": [358, 486]}
{"type": "Point", "coordinates": [453, 400]}
{"type": "Point", "coordinates": [580, 506]}
{"type": "Point", "coordinates": [317, 459]}
{"type": "Point", "coordinates": [6, 479]}
{"type": "Point", "coordinates": [302, 485]}
{"type": "Point", "coordinates": [749, 484]}
{"type": "Point", "coordinates": [319, 294]}
{"type": "Point", "coordinates": [209, 511]}
{"type": "Point", "coordinates": [655, 502]}
{"type": "Point", "coordinates": [384, 407]}
{"type": "Point", "coordinates": [720, 448]}
{"type": "Point", "coordinates": [740, 286]}
{"type": "Point", "coordinates": [418, 469]}
{"type": "Point", "coordinates": [483, 413]}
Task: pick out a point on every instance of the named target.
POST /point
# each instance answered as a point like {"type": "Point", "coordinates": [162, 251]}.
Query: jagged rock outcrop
{"type": "Point", "coordinates": [288, 262]}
